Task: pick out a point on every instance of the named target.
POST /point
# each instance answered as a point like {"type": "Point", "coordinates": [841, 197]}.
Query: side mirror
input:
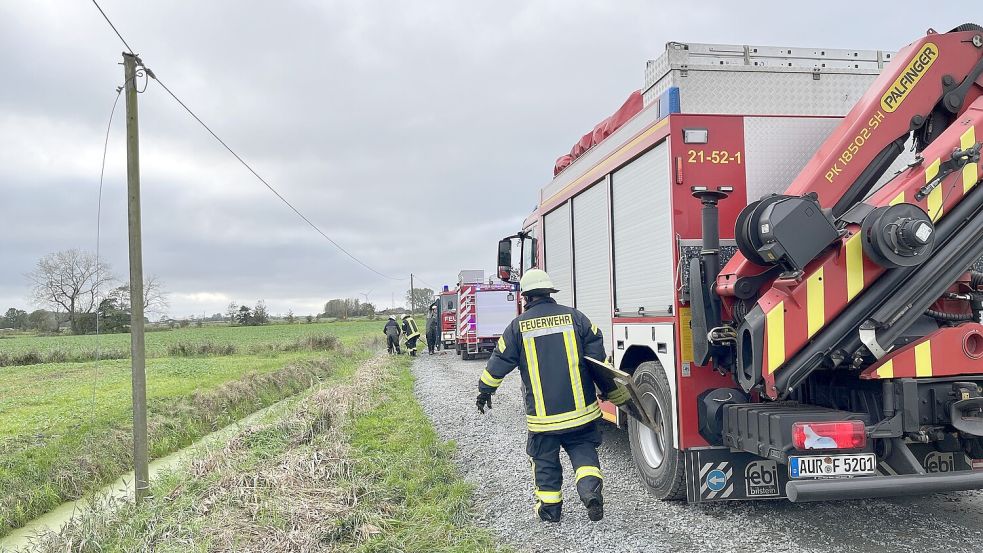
{"type": "Point", "coordinates": [505, 259]}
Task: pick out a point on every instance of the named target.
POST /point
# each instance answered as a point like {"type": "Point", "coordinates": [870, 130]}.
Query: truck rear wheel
{"type": "Point", "coordinates": [659, 463]}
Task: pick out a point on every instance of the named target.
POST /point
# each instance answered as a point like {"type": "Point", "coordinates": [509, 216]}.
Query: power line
{"type": "Point", "coordinates": [423, 282]}
{"type": "Point", "coordinates": [115, 30]}
{"type": "Point", "coordinates": [102, 175]}
{"type": "Point", "coordinates": [265, 183]}
{"type": "Point", "coordinates": [240, 159]}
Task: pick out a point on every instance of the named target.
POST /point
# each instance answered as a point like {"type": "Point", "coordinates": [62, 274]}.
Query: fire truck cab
{"type": "Point", "coordinates": [447, 315]}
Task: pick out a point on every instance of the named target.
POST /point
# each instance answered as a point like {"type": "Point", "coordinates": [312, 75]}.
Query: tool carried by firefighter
{"type": "Point", "coordinates": [624, 381]}
{"type": "Point", "coordinates": [785, 246]}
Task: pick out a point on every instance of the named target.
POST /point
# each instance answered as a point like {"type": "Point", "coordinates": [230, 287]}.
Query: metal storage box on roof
{"type": "Point", "coordinates": [470, 277]}
{"type": "Point", "coordinates": [762, 80]}
{"type": "Point", "coordinates": [739, 80]}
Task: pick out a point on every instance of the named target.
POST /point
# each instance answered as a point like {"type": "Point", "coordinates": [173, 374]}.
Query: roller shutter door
{"type": "Point", "coordinates": [643, 235]}
{"type": "Point", "coordinates": [592, 263]}
{"type": "Point", "coordinates": [559, 262]}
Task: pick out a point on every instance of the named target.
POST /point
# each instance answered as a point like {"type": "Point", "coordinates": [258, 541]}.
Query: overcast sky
{"type": "Point", "coordinates": [416, 134]}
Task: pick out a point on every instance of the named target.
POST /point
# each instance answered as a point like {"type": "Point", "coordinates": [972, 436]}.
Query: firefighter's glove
{"type": "Point", "coordinates": [619, 396]}
{"type": "Point", "coordinates": [484, 400]}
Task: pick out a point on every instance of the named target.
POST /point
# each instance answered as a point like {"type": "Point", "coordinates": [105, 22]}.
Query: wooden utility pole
{"type": "Point", "coordinates": [141, 469]}
{"type": "Point", "coordinates": [412, 296]}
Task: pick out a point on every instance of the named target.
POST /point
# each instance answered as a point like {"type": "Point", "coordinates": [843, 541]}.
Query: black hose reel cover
{"type": "Point", "coordinates": [784, 231]}
{"type": "Point", "coordinates": [746, 235]}
{"type": "Point", "coordinates": [900, 235]}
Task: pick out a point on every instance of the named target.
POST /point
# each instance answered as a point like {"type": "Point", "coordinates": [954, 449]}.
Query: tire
{"type": "Point", "coordinates": [660, 465]}
{"type": "Point", "coordinates": [458, 350]}
{"type": "Point", "coordinates": [467, 356]}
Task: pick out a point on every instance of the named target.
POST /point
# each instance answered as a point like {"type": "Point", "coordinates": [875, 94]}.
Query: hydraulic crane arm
{"type": "Point", "coordinates": [924, 89]}
{"type": "Point", "coordinates": [932, 90]}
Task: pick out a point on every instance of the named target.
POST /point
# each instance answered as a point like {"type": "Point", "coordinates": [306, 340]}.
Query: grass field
{"type": "Point", "coordinates": [65, 427]}
{"type": "Point", "coordinates": [354, 465]}
{"type": "Point", "coordinates": [16, 349]}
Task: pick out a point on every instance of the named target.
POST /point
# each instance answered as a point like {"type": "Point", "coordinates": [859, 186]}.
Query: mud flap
{"type": "Point", "coordinates": [634, 407]}
{"type": "Point", "coordinates": [718, 474]}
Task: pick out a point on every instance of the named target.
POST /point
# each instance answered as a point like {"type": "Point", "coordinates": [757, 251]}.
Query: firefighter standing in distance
{"type": "Point", "coordinates": [433, 324]}
{"type": "Point", "coordinates": [411, 332]}
{"type": "Point", "coordinates": [548, 343]}
{"type": "Point", "coordinates": [391, 330]}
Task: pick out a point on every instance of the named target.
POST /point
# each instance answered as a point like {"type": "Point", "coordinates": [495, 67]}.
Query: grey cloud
{"type": "Point", "coordinates": [368, 115]}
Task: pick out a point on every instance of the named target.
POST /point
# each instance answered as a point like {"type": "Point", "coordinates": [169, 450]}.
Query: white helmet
{"type": "Point", "coordinates": [536, 280]}
{"type": "Point", "coordinates": [392, 317]}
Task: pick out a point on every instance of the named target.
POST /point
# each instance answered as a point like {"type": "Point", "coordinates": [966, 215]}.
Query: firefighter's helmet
{"type": "Point", "coordinates": [392, 317]}
{"type": "Point", "coordinates": [536, 280]}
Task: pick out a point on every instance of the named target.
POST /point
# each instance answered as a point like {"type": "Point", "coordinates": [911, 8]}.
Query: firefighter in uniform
{"type": "Point", "coordinates": [548, 343]}
{"type": "Point", "coordinates": [433, 323]}
{"type": "Point", "coordinates": [391, 330]}
{"type": "Point", "coordinates": [411, 332]}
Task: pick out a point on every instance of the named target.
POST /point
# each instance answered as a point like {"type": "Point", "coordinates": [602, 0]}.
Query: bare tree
{"type": "Point", "coordinates": [154, 298]}
{"type": "Point", "coordinates": [70, 280]}
{"type": "Point", "coordinates": [232, 313]}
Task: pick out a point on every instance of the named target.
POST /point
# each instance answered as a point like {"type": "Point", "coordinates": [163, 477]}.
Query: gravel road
{"type": "Point", "coordinates": [491, 455]}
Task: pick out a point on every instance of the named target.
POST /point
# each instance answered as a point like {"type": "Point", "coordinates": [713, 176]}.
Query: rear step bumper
{"type": "Point", "coordinates": [882, 486]}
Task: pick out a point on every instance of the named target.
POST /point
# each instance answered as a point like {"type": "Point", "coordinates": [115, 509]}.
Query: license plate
{"type": "Point", "coordinates": [860, 464]}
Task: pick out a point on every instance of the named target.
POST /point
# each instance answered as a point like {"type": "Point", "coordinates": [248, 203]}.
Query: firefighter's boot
{"type": "Point", "coordinates": [549, 512]}
{"type": "Point", "coordinates": [589, 488]}
{"type": "Point", "coordinates": [595, 507]}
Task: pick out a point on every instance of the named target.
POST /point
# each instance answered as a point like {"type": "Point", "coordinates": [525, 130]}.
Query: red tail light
{"type": "Point", "coordinates": [828, 435]}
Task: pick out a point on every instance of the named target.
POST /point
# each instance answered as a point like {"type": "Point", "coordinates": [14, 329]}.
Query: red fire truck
{"type": "Point", "coordinates": [781, 248]}
{"type": "Point", "coordinates": [485, 309]}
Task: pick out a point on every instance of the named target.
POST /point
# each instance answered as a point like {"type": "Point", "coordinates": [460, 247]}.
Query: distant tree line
{"type": "Point", "coordinates": [345, 308]}
{"type": "Point", "coordinates": [40, 320]}
{"type": "Point", "coordinates": [78, 291]}
{"type": "Point", "coordinates": [420, 298]}
{"type": "Point", "coordinates": [243, 315]}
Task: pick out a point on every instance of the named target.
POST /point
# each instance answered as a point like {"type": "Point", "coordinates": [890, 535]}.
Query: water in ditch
{"type": "Point", "coordinates": [23, 538]}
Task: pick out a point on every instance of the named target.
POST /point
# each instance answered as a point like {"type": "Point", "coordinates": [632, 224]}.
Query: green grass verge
{"type": "Point", "coordinates": [65, 429]}
{"type": "Point", "coordinates": [353, 465]}
{"type": "Point", "coordinates": [415, 491]}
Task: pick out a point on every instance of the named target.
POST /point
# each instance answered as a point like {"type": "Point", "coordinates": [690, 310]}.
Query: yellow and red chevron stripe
{"type": "Point", "coordinates": [795, 314]}
{"type": "Point", "coordinates": [946, 352]}
{"type": "Point", "coordinates": [796, 310]}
